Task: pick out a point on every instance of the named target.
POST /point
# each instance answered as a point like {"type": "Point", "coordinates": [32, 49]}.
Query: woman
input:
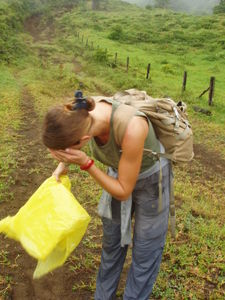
{"type": "Point", "coordinates": [131, 185]}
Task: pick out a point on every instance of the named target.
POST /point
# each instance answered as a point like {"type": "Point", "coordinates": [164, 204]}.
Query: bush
{"type": "Point", "coordinates": [11, 22]}
{"type": "Point", "coordinates": [149, 7]}
{"type": "Point", "coordinates": [116, 33]}
{"type": "Point", "coordinates": [164, 62]}
{"type": "Point", "coordinates": [12, 16]}
{"type": "Point", "coordinates": [222, 43]}
{"type": "Point", "coordinates": [168, 69]}
{"type": "Point", "coordinates": [101, 56]}
{"type": "Point", "coordinates": [220, 8]}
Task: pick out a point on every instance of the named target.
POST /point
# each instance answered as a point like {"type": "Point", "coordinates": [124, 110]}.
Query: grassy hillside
{"type": "Point", "coordinates": [48, 53]}
{"type": "Point", "coordinates": [171, 42]}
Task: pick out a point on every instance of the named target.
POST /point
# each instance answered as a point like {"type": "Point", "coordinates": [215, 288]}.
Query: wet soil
{"type": "Point", "coordinates": [34, 167]}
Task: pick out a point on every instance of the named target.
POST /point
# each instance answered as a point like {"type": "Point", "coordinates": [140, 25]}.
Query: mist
{"type": "Point", "coordinates": [189, 6]}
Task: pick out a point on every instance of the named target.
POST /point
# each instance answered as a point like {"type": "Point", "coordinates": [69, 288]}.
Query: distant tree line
{"type": "Point", "coordinates": [95, 4]}
{"type": "Point", "coordinates": [191, 6]}
{"type": "Point", "coordinates": [220, 8]}
{"type": "Point", "coordinates": [162, 3]}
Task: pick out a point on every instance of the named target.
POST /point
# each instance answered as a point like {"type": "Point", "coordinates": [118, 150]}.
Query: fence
{"type": "Point", "coordinates": [210, 89]}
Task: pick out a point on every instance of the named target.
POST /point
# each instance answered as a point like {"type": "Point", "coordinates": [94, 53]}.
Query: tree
{"type": "Point", "coordinates": [95, 4]}
{"type": "Point", "coordinates": [162, 3]}
{"type": "Point", "coordinates": [220, 8]}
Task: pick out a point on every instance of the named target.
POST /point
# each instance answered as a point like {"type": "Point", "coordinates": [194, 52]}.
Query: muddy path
{"type": "Point", "coordinates": [34, 166]}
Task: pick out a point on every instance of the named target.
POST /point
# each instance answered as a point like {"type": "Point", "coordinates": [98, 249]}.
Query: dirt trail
{"type": "Point", "coordinates": [33, 168]}
{"type": "Point", "coordinates": [31, 158]}
{"type": "Point", "coordinates": [32, 26]}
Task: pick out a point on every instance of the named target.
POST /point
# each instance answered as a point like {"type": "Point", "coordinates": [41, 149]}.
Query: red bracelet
{"type": "Point", "coordinates": [88, 165]}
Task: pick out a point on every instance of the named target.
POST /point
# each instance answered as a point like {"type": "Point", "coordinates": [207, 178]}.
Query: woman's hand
{"type": "Point", "coordinates": [60, 170]}
{"type": "Point", "coordinates": [70, 155]}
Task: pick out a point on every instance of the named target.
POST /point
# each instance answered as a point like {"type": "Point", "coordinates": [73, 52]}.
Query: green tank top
{"type": "Point", "coordinates": [109, 154]}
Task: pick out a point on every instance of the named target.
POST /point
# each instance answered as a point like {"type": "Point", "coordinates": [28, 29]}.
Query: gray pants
{"type": "Point", "coordinates": [148, 242]}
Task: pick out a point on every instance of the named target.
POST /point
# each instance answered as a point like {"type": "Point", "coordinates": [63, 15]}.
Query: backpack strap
{"type": "Point", "coordinates": [172, 201]}
{"type": "Point", "coordinates": [159, 154]}
{"type": "Point", "coordinates": [121, 118]}
{"type": "Point", "coordinates": [172, 209]}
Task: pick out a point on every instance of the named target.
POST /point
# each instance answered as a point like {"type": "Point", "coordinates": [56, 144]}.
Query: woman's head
{"type": "Point", "coordinates": [64, 125]}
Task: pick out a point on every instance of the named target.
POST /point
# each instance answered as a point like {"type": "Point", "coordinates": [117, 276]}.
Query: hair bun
{"type": "Point", "coordinates": [90, 104]}
{"type": "Point", "coordinates": [83, 102]}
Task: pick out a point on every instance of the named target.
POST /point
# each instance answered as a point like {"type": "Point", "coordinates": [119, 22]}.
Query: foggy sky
{"type": "Point", "coordinates": [190, 6]}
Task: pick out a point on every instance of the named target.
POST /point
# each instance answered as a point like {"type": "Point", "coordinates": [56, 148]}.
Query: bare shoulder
{"type": "Point", "coordinates": [137, 127]}
{"type": "Point", "coordinates": [136, 132]}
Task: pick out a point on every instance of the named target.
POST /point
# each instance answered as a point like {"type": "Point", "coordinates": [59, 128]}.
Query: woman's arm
{"type": "Point", "coordinates": [60, 170]}
{"type": "Point", "coordinates": [130, 162]}
{"type": "Point", "coordinates": [129, 165]}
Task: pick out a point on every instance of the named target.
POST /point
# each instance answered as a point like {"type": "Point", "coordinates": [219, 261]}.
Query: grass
{"type": "Point", "coordinates": [10, 93]}
{"type": "Point", "coordinates": [166, 78]}
{"type": "Point", "coordinates": [192, 266]}
{"type": "Point", "coordinates": [5, 281]}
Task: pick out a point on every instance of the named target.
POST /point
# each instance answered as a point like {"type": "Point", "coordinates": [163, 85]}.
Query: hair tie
{"type": "Point", "coordinates": [81, 102]}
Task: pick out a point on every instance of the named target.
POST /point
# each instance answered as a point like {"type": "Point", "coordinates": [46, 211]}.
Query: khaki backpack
{"type": "Point", "coordinates": [169, 120]}
{"type": "Point", "coordinates": [170, 124]}
{"type": "Point", "coordinates": [171, 127]}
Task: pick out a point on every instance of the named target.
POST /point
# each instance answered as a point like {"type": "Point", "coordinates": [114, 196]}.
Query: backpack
{"type": "Point", "coordinates": [169, 121]}
{"type": "Point", "coordinates": [171, 126]}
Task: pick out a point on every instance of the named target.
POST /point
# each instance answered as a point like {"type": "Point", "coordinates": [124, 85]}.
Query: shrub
{"type": "Point", "coordinates": [116, 33]}
{"type": "Point", "coordinates": [164, 62]}
{"type": "Point", "coordinates": [101, 56]}
{"type": "Point", "coordinates": [149, 7]}
{"type": "Point", "coordinates": [220, 8]}
{"type": "Point", "coordinates": [211, 57]}
{"type": "Point", "coordinates": [168, 69]}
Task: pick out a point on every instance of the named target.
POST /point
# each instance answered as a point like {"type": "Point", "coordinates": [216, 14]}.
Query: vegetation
{"type": "Point", "coordinates": [220, 8]}
{"type": "Point", "coordinates": [12, 16]}
{"type": "Point", "coordinates": [74, 46]}
{"type": "Point", "coordinates": [11, 22]}
{"type": "Point", "coordinates": [162, 3]}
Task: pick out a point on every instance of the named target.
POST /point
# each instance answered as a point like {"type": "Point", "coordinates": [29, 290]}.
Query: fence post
{"type": "Point", "coordinates": [115, 58]}
{"type": "Point", "coordinates": [128, 61]}
{"type": "Point", "coordinates": [148, 71]}
{"type": "Point", "coordinates": [184, 81]}
{"type": "Point", "coordinates": [211, 89]}
{"type": "Point", "coordinates": [87, 42]}
{"type": "Point", "coordinates": [61, 70]}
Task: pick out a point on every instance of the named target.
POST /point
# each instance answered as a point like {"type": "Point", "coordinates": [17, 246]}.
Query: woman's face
{"type": "Point", "coordinates": [83, 141]}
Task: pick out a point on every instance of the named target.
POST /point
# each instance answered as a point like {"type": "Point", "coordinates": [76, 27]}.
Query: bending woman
{"type": "Point", "coordinates": [131, 185]}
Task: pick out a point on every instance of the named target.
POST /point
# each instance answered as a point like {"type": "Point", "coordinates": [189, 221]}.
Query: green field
{"type": "Point", "coordinates": [47, 52]}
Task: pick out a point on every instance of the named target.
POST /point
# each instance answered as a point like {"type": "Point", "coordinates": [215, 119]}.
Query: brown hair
{"type": "Point", "coordinates": [64, 125]}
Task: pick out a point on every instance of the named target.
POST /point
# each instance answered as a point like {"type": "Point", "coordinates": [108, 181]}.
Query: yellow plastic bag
{"type": "Point", "coordinates": [49, 226]}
